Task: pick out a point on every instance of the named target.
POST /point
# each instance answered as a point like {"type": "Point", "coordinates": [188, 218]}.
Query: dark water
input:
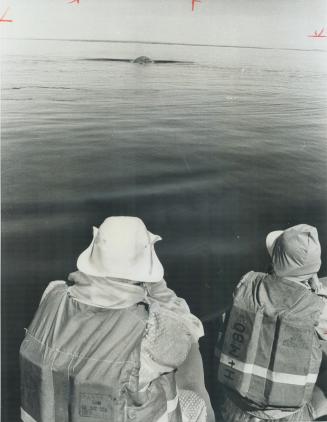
{"type": "Point", "coordinates": [211, 155]}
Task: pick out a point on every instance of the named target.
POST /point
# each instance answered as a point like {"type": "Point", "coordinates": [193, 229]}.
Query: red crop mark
{"type": "Point", "coordinates": [74, 1]}
{"type": "Point", "coordinates": [193, 4]}
{"type": "Point", "coordinates": [318, 34]}
{"type": "Point", "coordinates": [5, 20]}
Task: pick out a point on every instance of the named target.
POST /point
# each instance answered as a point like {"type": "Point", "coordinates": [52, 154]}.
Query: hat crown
{"type": "Point", "coordinates": [297, 251]}
{"type": "Point", "coordinates": [122, 247]}
{"type": "Point", "coordinates": [122, 234]}
{"type": "Point", "coordinates": [297, 241]}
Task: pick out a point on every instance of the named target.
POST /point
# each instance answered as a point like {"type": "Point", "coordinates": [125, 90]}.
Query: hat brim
{"type": "Point", "coordinates": [271, 240]}
{"type": "Point", "coordinates": [139, 273]}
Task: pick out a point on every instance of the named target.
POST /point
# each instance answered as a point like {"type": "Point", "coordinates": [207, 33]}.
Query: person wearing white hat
{"type": "Point", "coordinates": [270, 350]}
{"type": "Point", "coordinates": [115, 344]}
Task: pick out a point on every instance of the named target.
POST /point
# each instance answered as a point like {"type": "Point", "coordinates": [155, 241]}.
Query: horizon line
{"type": "Point", "coordinates": [166, 43]}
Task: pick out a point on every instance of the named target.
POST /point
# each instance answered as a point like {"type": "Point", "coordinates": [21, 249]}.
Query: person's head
{"type": "Point", "coordinates": [295, 252]}
{"type": "Point", "coordinates": [123, 248]}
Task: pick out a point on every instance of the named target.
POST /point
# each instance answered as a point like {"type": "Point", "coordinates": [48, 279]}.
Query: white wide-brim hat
{"type": "Point", "coordinates": [122, 247]}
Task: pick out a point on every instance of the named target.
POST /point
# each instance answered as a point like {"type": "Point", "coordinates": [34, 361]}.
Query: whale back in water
{"type": "Point", "coordinates": [137, 60]}
{"type": "Point", "coordinates": [142, 60]}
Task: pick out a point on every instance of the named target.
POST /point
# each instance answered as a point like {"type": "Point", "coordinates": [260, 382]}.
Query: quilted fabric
{"type": "Point", "coordinates": [193, 407]}
{"type": "Point", "coordinates": [167, 340]}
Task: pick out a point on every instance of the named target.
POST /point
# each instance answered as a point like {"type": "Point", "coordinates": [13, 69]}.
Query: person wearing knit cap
{"type": "Point", "coordinates": [274, 337]}
{"type": "Point", "coordinates": [116, 344]}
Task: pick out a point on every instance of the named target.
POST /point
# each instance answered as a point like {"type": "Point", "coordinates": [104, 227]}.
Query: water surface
{"type": "Point", "coordinates": [212, 155]}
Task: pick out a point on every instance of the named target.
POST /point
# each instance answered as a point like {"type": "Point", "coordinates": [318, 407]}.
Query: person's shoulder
{"type": "Point", "coordinates": [249, 277]}
{"type": "Point", "coordinates": [247, 283]}
{"type": "Point", "coordinates": [52, 286]}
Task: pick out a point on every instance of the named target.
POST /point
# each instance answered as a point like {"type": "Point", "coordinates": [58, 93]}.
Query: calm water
{"type": "Point", "coordinates": [211, 155]}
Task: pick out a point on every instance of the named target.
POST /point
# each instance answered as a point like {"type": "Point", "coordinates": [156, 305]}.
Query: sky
{"type": "Point", "coordinates": [263, 23]}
